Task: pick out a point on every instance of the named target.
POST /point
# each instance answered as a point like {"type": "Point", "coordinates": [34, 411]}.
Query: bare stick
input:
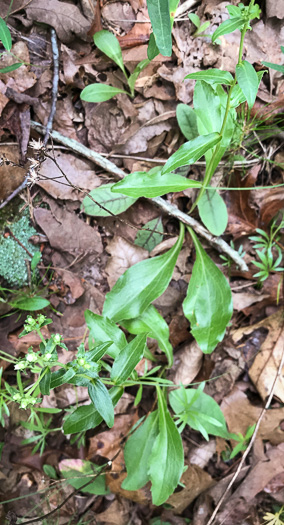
{"type": "Point", "coordinates": [55, 56]}
{"type": "Point", "coordinates": [167, 207]}
{"type": "Point", "coordinates": [267, 405]}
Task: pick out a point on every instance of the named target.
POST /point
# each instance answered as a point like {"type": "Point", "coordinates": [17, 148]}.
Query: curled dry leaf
{"type": "Point", "coordinates": [201, 455]}
{"type": "Point", "coordinates": [123, 255]}
{"type": "Point", "coordinates": [265, 366]}
{"type": "Point", "coordinates": [240, 413]}
{"type": "Point", "coordinates": [187, 363]}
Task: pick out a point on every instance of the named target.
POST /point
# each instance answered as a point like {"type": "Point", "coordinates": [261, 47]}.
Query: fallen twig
{"type": "Point", "coordinates": [167, 207]}
{"type": "Point", "coordinates": [267, 405]}
{"type": "Point", "coordinates": [55, 80]}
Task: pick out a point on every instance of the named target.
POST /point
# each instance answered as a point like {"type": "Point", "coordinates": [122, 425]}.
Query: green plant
{"type": "Point", "coordinates": [153, 450]}
{"type": "Point", "coordinates": [277, 67]}
{"type": "Point", "coordinates": [268, 243]}
{"type": "Point", "coordinates": [200, 28]}
{"type": "Point", "coordinates": [110, 46]}
{"type": "Point", "coordinates": [227, 259]}
{"type": "Point", "coordinates": [243, 441]}
{"type": "Point", "coordinates": [6, 39]}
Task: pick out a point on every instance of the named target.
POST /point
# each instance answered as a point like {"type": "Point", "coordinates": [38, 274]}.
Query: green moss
{"type": "Point", "coordinates": [13, 267]}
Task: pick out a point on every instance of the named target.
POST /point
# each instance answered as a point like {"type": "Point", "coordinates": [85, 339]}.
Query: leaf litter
{"type": "Point", "coordinates": [89, 254]}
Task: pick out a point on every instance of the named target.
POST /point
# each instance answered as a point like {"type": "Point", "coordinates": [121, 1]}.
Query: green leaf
{"type": "Point", "coordinates": [133, 77]}
{"type": "Point", "coordinates": [30, 304]}
{"type": "Point", "coordinates": [152, 322]}
{"type": "Point", "coordinates": [109, 45]}
{"type": "Point", "coordinates": [137, 452]}
{"type": "Point", "coordinates": [114, 205]}
{"type": "Point", "coordinates": [152, 184]}
{"type": "Point", "coordinates": [101, 399]}
{"type": "Point", "coordinates": [208, 304]}
{"type": "Point", "coordinates": [86, 417]}
{"type": "Point", "coordinates": [100, 93]}
{"type": "Point", "coordinates": [202, 28]}
{"type": "Point", "coordinates": [194, 19]}
{"type": "Point", "coordinates": [152, 49]}
{"type": "Point", "coordinates": [237, 97]}
{"type": "Point", "coordinates": [141, 284]}
{"type": "Point", "coordinates": [128, 358]}
{"type": "Point", "coordinates": [35, 260]}
{"type": "Point", "coordinates": [187, 121]}
{"type": "Point", "coordinates": [103, 329]}
{"type": "Point", "coordinates": [50, 471]}
{"type": "Point", "coordinates": [166, 460]}
{"type": "Point", "coordinates": [78, 471]}
{"type": "Point", "coordinates": [229, 26]}
{"type": "Point", "coordinates": [212, 76]}
{"type": "Point", "coordinates": [187, 404]}
{"type": "Point", "coordinates": [150, 239]}
{"type": "Point", "coordinates": [213, 212]}
{"type": "Point", "coordinates": [277, 67]}
{"type": "Point", "coordinates": [7, 69]}
{"type": "Point", "coordinates": [60, 377]}
{"type": "Point", "coordinates": [5, 35]}
{"type": "Point", "coordinates": [44, 383]}
{"type": "Point", "coordinates": [159, 13]}
{"type": "Point", "coordinates": [173, 5]}
{"type": "Point", "coordinates": [233, 11]}
{"type": "Point", "coordinates": [248, 81]}
{"type": "Point", "coordinates": [191, 151]}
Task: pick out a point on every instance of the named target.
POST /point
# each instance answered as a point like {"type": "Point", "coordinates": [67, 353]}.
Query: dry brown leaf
{"type": "Point", "coordinates": [79, 172]}
{"type": "Point", "coordinates": [65, 18]}
{"type": "Point", "coordinates": [187, 363]}
{"type": "Point", "coordinates": [240, 414]}
{"type": "Point", "coordinates": [242, 218]}
{"type": "Point", "coordinates": [275, 8]}
{"type": "Point", "coordinates": [256, 480]}
{"type": "Point", "coordinates": [123, 255]}
{"type": "Point", "coordinates": [179, 329]}
{"type": "Point", "coordinates": [269, 202]}
{"type": "Point", "coordinates": [118, 513]}
{"type": "Point", "coordinates": [64, 118]}
{"type": "Point", "coordinates": [196, 481]}
{"type": "Point", "coordinates": [201, 455]}
{"type": "Point", "coordinates": [265, 366]}
{"type": "Point", "coordinates": [11, 176]}
{"type": "Point", "coordinates": [242, 300]}
{"type": "Point", "coordinates": [66, 232]}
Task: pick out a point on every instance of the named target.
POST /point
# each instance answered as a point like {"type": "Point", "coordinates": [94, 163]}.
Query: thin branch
{"type": "Point", "coordinates": [170, 209]}
{"type": "Point", "coordinates": [267, 405]}
{"type": "Point", "coordinates": [55, 80]}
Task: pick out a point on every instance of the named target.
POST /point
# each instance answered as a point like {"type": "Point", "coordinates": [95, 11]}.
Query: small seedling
{"type": "Point", "coordinates": [6, 39]}
{"type": "Point", "coordinates": [200, 28]}
{"type": "Point", "coordinates": [269, 250]}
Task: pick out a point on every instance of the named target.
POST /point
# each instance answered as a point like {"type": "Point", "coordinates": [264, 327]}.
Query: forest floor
{"type": "Point", "coordinates": [83, 256]}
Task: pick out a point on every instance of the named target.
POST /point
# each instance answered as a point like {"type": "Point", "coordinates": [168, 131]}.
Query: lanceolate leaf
{"type": "Point", "coordinates": [212, 76]}
{"type": "Point", "coordinates": [166, 461]}
{"type": "Point", "coordinates": [208, 304]}
{"type": "Point", "coordinates": [187, 121]}
{"type": "Point", "coordinates": [141, 184]}
{"type": "Point", "coordinates": [159, 13]}
{"type": "Point", "coordinates": [194, 19]}
{"type": "Point", "coordinates": [141, 284]}
{"type": "Point", "coordinates": [87, 416]}
{"type": "Point", "coordinates": [110, 46]}
{"type": "Point", "coordinates": [101, 399]}
{"type": "Point", "coordinates": [213, 212]}
{"type": "Point", "coordinates": [11, 68]}
{"type": "Point", "coordinates": [173, 4]}
{"type": "Point", "coordinates": [152, 49]}
{"type": "Point", "coordinates": [228, 27]}
{"type": "Point", "coordinates": [30, 303]}
{"type": "Point", "coordinates": [149, 239]}
{"type": "Point", "coordinates": [5, 35]}
{"type": "Point", "coordinates": [191, 151]}
{"type": "Point", "coordinates": [133, 77]}
{"type": "Point", "coordinates": [137, 452]}
{"type": "Point", "coordinates": [100, 92]}
{"type": "Point", "coordinates": [102, 329]}
{"type": "Point", "coordinates": [112, 204]}
{"type": "Point", "coordinates": [152, 322]}
{"type": "Point", "coordinates": [128, 358]}
{"type": "Point", "coordinates": [276, 67]}
{"type": "Point", "coordinates": [248, 81]}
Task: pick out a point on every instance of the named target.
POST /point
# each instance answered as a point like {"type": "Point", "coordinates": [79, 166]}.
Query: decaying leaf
{"type": "Point", "coordinates": [265, 366]}
{"type": "Point", "coordinates": [196, 481]}
{"type": "Point", "coordinates": [123, 255]}
{"type": "Point", "coordinates": [240, 413]}
{"type": "Point", "coordinates": [187, 363]}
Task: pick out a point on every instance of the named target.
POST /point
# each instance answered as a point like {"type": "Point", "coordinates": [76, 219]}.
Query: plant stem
{"type": "Point", "coordinates": [210, 172]}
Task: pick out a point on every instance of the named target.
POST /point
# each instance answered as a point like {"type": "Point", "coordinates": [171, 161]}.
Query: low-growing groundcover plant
{"type": "Point", "coordinates": [153, 450]}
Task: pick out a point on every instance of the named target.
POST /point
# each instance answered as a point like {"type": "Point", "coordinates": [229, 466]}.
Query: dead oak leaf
{"type": "Point", "coordinates": [123, 255]}
{"type": "Point", "coordinates": [265, 366]}
{"type": "Point", "coordinates": [65, 18]}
